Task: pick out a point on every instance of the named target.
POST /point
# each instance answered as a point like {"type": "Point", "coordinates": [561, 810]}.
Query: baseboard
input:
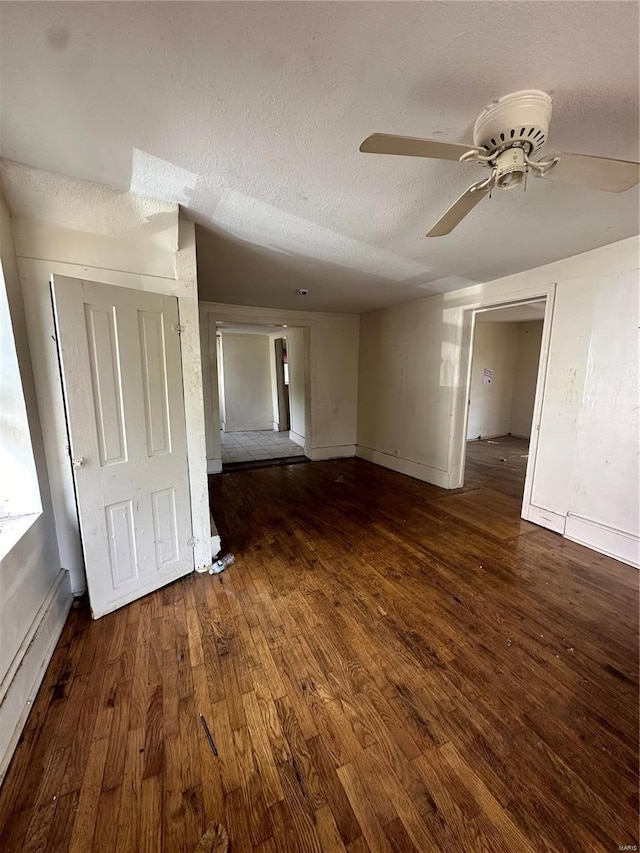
{"type": "Point", "coordinates": [616, 543]}
{"type": "Point", "coordinates": [338, 451]}
{"type": "Point", "coordinates": [214, 466]}
{"type": "Point", "coordinates": [254, 426]}
{"type": "Point", "coordinates": [417, 470]}
{"type": "Point", "coordinates": [296, 437]}
{"type": "Point", "coordinates": [21, 683]}
{"type": "Point", "coordinates": [545, 518]}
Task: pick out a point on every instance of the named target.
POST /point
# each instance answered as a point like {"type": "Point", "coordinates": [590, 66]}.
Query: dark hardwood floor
{"type": "Point", "coordinates": [386, 667]}
{"type": "Point", "coordinates": [497, 463]}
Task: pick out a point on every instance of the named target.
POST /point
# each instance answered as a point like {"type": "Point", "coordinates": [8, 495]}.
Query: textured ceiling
{"type": "Point", "coordinates": [250, 116]}
{"type": "Point", "coordinates": [85, 206]}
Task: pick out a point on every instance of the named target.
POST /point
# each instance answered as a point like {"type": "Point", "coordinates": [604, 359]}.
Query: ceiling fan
{"type": "Point", "coordinates": [505, 137]}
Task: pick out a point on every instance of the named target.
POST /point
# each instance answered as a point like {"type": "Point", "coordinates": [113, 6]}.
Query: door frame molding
{"type": "Point", "coordinates": [458, 433]}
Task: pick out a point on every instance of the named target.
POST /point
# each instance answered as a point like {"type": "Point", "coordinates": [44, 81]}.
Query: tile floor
{"type": "Point", "coordinates": [259, 444]}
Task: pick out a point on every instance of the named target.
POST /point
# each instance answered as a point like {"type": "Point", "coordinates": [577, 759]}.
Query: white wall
{"type": "Point", "coordinates": [330, 344]}
{"type": "Point", "coordinates": [411, 398]}
{"type": "Point", "coordinates": [34, 591]}
{"type": "Point", "coordinates": [495, 348]}
{"type": "Point", "coordinates": [248, 400]}
{"type": "Point", "coordinates": [526, 377]}
{"type": "Point", "coordinates": [295, 353]}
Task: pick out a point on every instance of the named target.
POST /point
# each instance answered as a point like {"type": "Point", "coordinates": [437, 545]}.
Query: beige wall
{"type": "Point", "coordinates": [505, 405]}
{"type": "Point", "coordinates": [526, 377]}
{"type": "Point", "coordinates": [248, 400]}
{"type": "Point", "coordinates": [410, 394]}
{"type": "Point", "coordinates": [495, 348]}
{"type": "Point", "coordinates": [295, 350]}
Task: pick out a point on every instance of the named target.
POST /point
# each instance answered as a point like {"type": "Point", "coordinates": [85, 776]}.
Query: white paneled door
{"type": "Point", "coordinates": [122, 377]}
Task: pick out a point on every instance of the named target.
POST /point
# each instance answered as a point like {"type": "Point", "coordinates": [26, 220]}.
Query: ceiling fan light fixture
{"type": "Point", "coordinates": [506, 135]}
{"type": "Point", "coordinates": [511, 169]}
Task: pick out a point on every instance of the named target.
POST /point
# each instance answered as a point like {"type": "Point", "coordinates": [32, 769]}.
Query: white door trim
{"type": "Point", "coordinates": [458, 435]}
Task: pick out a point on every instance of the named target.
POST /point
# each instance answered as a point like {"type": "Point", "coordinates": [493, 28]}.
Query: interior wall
{"type": "Point", "coordinates": [295, 351]}
{"type": "Point", "coordinates": [410, 382]}
{"type": "Point", "coordinates": [502, 403]}
{"type": "Point", "coordinates": [330, 345]}
{"type": "Point", "coordinates": [248, 401]}
{"type": "Point", "coordinates": [34, 591]}
{"type": "Point", "coordinates": [495, 349]}
{"type": "Point", "coordinates": [220, 364]}
{"type": "Point", "coordinates": [526, 373]}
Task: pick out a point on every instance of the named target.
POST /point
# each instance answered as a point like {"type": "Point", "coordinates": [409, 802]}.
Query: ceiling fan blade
{"type": "Point", "coordinates": [410, 146]}
{"type": "Point", "coordinates": [459, 209]}
{"type": "Point", "coordinates": [601, 173]}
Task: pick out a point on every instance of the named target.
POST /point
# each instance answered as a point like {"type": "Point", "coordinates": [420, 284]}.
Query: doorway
{"type": "Point", "coordinates": [261, 389]}
{"type": "Point", "coordinates": [504, 372]}
{"type": "Point", "coordinates": [507, 367]}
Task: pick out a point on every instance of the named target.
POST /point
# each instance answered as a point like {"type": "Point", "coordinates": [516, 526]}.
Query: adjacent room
{"type": "Point", "coordinates": [505, 367]}
{"type": "Point", "coordinates": [319, 426]}
{"type": "Point", "coordinates": [261, 394]}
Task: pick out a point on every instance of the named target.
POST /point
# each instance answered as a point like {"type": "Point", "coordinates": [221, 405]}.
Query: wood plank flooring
{"type": "Point", "coordinates": [386, 667]}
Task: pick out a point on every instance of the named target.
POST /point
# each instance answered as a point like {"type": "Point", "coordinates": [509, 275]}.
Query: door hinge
{"type": "Point", "coordinates": [192, 541]}
{"type": "Point", "coordinates": [178, 328]}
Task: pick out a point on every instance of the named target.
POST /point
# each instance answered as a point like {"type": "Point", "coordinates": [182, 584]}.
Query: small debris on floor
{"type": "Point", "coordinates": [492, 442]}
{"type": "Point", "coordinates": [221, 564]}
{"type": "Point", "coordinates": [215, 840]}
{"type": "Point", "coordinates": [509, 643]}
{"type": "Point", "coordinates": [571, 649]}
{"type": "Point", "coordinates": [503, 460]}
{"type": "Point", "coordinates": [208, 734]}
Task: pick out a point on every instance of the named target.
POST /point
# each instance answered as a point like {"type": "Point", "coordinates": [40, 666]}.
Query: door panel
{"type": "Point", "coordinates": [122, 376]}
{"type": "Point", "coordinates": [154, 380]}
{"type": "Point", "coordinates": [104, 358]}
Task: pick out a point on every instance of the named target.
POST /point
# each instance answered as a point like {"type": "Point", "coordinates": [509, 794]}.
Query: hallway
{"type": "Point", "coordinates": [386, 667]}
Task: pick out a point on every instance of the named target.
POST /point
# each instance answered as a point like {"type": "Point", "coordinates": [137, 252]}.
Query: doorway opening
{"type": "Point", "coordinates": [504, 394]}
{"type": "Point", "coordinates": [261, 394]}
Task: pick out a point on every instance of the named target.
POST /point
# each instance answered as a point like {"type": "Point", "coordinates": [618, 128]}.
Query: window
{"type": "Point", "coordinates": [19, 490]}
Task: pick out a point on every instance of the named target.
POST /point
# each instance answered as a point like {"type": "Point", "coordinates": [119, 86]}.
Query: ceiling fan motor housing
{"type": "Point", "coordinates": [520, 119]}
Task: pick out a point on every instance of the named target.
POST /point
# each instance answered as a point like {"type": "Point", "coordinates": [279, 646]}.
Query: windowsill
{"type": "Point", "coordinates": [12, 529]}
